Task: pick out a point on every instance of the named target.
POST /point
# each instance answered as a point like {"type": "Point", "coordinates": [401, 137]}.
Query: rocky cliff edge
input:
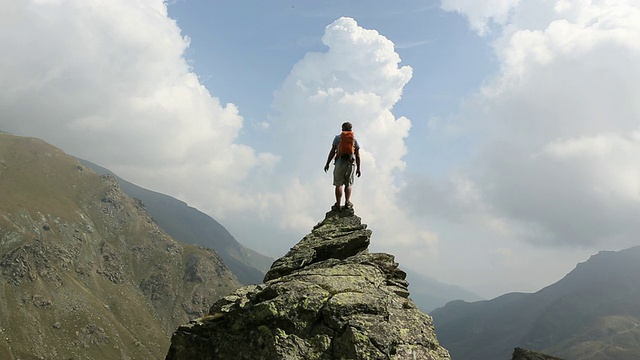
{"type": "Point", "coordinates": [327, 298]}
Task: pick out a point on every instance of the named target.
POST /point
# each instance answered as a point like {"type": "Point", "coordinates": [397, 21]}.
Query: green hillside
{"type": "Point", "coordinates": [85, 273]}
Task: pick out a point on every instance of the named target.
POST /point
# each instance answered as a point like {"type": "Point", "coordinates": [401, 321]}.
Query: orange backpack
{"type": "Point", "coordinates": [347, 145]}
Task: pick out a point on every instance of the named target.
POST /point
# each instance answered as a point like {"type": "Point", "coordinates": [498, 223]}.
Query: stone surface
{"type": "Point", "coordinates": [327, 298]}
{"type": "Point", "coordinates": [524, 354]}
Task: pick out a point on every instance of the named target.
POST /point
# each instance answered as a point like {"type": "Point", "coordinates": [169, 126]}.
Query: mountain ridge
{"type": "Point", "coordinates": [429, 293]}
{"type": "Point", "coordinates": [592, 312]}
{"type": "Point", "coordinates": [191, 226]}
{"type": "Point", "coordinates": [84, 270]}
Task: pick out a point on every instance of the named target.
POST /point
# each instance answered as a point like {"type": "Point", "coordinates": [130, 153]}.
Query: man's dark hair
{"type": "Point", "coordinates": [347, 126]}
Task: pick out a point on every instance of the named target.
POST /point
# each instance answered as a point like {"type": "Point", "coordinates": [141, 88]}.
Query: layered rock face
{"type": "Point", "coordinates": [327, 298]}
{"type": "Point", "coordinates": [524, 354]}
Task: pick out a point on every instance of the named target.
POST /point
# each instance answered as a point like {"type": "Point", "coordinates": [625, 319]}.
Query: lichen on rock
{"type": "Point", "coordinates": [327, 298]}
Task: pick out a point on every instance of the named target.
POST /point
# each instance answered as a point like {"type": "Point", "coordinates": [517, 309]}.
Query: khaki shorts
{"type": "Point", "coordinates": [343, 173]}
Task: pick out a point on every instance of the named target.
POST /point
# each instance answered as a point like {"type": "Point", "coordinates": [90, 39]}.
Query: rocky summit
{"type": "Point", "coordinates": [327, 298]}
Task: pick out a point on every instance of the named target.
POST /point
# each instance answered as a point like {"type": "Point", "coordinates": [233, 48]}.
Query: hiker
{"type": "Point", "coordinates": [346, 151]}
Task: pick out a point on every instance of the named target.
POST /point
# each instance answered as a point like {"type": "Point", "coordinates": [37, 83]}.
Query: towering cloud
{"type": "Point", "coordinates": [558, 124]}
{"type": "Point", "coordinates": [108, 81]}
{"type": "Point", "coordinates": [357, 79]}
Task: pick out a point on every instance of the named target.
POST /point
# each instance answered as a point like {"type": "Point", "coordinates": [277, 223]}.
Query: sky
{"type": "Point", "coordinates": [500, 140]}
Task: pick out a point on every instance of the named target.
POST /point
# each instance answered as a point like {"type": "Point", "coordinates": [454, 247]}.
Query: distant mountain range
{"type": "Point", "coordinates": [191, 226]}
{"type": "Point", "coordinates": [592, 313]}
{"type": "Point", "coordinates": [429, 294]}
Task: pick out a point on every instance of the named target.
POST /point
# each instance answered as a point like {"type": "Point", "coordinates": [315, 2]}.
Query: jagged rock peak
{"type": "Point", "coordinates": [339, 236]}
{"type": "Point", "coordinates": [328, 298]}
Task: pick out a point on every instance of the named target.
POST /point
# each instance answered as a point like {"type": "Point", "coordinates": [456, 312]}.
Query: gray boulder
{"type": "Point", "coordinates": [525, 354]}
{"type": "Point", "coordinates": [327, 298]}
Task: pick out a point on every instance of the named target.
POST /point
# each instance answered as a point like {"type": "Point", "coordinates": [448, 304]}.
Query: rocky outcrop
{"type": "Point", "coordinates": [327, 298]}
{"type": "Point", "coordinates": [524, 354]}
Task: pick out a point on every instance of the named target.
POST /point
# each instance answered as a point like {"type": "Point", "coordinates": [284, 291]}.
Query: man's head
{"type": "Point", "coordinates": [347, 126]}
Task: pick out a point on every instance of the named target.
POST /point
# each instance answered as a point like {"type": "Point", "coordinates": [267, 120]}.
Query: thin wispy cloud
{"type": "Point", "coordinates": [413, 44]}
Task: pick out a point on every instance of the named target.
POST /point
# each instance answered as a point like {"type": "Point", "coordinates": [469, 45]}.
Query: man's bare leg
{"type": "Point", "coordinates": [338, 195]}
{"type": "Point", "coordinates": [347, 194]}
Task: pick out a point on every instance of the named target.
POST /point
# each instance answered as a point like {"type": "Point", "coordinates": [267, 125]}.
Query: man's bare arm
{"type": "Point", "coordinates": [358, 162]}
{"type": "Point", "coordinates": [332, 153]}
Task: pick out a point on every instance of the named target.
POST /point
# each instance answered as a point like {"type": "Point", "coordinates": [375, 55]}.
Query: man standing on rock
{"type": "Point", "coordinates": [346, 151]}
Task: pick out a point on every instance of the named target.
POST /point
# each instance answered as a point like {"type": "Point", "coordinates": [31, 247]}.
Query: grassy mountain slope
{"type": "Point", "coordinates": [592, 313]}
{"type": "Point", "coordinates": [189, 225]}
{"type": "Point", "coordinates": [85, 273]}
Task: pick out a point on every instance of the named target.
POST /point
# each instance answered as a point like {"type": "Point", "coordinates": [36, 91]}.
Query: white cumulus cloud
{"type": "Point", "coordinates": [108, 82]}
{"type": "Point", "coordinates": [358, 79]}
{"type": "Point", "coordinates": [481, 13]}
{"type": "Point", "coordinates": [557, 125]}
